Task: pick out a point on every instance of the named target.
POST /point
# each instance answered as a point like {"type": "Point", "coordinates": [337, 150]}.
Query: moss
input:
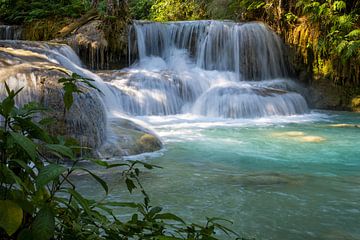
{"type": "Point", "coordinates": [148, 143]}
{"type": "Point", "coordinates": [355, 104]}
{"type": "Point", "coordinates": [45, 29]}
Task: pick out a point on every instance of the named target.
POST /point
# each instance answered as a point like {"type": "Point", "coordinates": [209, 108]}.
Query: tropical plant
{"type": "Point", "coordinates": [175, 10]}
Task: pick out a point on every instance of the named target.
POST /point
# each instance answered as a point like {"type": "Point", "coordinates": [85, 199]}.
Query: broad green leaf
{"type": "Point", "coordinates": [169, 216]}
{"type": "Point", "coordinates": [7, 105]}
{"type": "Point", "coordinates": [84, 203]}
{"type": "Point", "coordinates": [154, 211]}
{"type": "Point", "coordinates": [11, 216]}
{"type": "Point", "coordinates": [63, 150]}
{"type": "Point", "coordinates": [68, 100]}
{"type": "Point", "coordinates": [26, 144]}
{"type": "Point", "coordinates": [48, 174]}
{"type": "Point", "coordinates": [117, 165]}
{"type": "Point", "coordinates": [121, 204]}
{"type": "Point", "coordinates": [43, 227]}
{"type": "Point", "coordinates": [130, 184]}
{"type": "Point", "coordinates": [97, 178]}
{"type": "Point", "coordinates": [8, 176]}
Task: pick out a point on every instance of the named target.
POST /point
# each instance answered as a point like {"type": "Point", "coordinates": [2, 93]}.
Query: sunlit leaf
{"type": "Point", "coordinates": [11, 216]}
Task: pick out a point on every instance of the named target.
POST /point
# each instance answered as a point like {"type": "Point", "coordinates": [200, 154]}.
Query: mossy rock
{"type": "Point", "coordinates": [128, 138]}
{"type": "Point", "coordinates": [148, 143]}
{"type": "Point", "coordinates": [355, 104]}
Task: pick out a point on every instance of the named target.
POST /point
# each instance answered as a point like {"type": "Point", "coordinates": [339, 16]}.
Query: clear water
{"type": "Point", "coordinates": [294, 177]}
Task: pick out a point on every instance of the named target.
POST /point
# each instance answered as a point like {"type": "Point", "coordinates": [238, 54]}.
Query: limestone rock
{"type": "Point", "coordinates": [86, 120]}
{"type": "Point", "coordinates": [128, 138]}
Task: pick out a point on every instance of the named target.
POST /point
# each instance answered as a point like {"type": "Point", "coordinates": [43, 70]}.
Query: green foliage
{"type": "Point", "coordinates": [140, 9]}
{"type": "Point", "coordinates": [168, 10]}
{"type": "Point", "coordinates": [174, 10]}
{"type": "Point", "coordinates": [19, 11]}
{"type": "Point", "coordinates": [339, 30]}
{"type": "Point", "coordinates": [71, 87]}
{"type": "Point", "coordinates": [39, 200]}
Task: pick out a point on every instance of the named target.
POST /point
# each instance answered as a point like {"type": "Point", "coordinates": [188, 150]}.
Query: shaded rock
{"type": "Point", "coordinates": [328, 96]}
{"type": "Point", "coordinates": [91, 42]}
{"type": "Point", "coordinates": [86, 120]}
{"type": "Point", "coordinates": [128, 138]}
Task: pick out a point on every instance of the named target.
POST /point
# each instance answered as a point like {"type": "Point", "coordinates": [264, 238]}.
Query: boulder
{"type": "Point", "coordinates": [125, 137]}
{"type": "Point", "coordinates": [86, 120]}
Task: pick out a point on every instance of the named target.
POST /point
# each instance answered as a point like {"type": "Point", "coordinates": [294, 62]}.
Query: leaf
{"type": "Point", "coordinates": [154, 211]}
{"type": "Point", "coordinates": [130, 184]}
{"type": "Point", "coordinates": [97, 178]}
{"type": "Point", "coordinates": [7, 105]}
{"type": "Point", "coordinates": [84, 203]}
{"type": "Point", "coordinates": [68, 100]}
{"type": "Point", "coordinates": [354, 34]}
{"type": "Point", "coordinates": [43, 227]}
{"type": "Point", "coordinates": [169, 216]}
{"type": "Point", "coordinates": [11, 216]}
{"type": "Point", "coordinates": [9, 177]}
{"type": "Point", "coordinates": [148, 166]}
{"type": "Point", "coordinates": [121, 204]}
{"type": "Point", "coordinates": [63, 150]}
{"type": "Point", "coordinates": [25, 143]}
{"type": "Point", "coordinates": [48, 174]}
{"type": "Point", "coordinates": [117, 165]}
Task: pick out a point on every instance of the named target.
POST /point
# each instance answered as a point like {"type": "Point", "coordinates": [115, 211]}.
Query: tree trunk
{"type": "Point", "coordinates": [92, 14]}
{"type": "Point", "coordinates": [116, 7]}
{"type": "Point", "coordinates": [94, 3]}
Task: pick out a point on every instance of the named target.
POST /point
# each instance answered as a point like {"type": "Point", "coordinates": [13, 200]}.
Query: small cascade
{"type": "Point", "coordinates": [64, 56]}
{"type": "Point", "coordinates": [210, 68]}
{"type": "Point", "coordinates": [9, 32]}
{"type": "Point", "coordinates": [36, 67]}
{"type": "Point", "coordinates": [251, 50]}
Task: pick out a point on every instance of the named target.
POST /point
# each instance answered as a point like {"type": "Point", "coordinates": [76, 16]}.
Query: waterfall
{"type": "Point", "coordinates": [210, 68]}
{"type": "Point", "coordinates": [251, 50]}
{"type": "Point", "coordinates": [8, 32]}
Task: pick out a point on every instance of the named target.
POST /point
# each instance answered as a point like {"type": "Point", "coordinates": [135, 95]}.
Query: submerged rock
{"type": "Point", "coordinates": [298, 136]}
{"type": "Point", "coordinates": [345, 125]}
{"type": "Point", "coordinates": [264, 179]}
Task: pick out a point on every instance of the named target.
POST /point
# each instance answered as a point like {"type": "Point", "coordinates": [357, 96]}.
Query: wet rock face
{"type": "Point", "coordinates": [95, 49]}
{"type": "Point", "coordinates": [86, 120]}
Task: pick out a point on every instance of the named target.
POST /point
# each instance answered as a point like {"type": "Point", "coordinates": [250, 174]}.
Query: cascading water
{"type": "Point", "coordinates": [210, 68]}
{"type": "Point", "coordinates": [8, 32]}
